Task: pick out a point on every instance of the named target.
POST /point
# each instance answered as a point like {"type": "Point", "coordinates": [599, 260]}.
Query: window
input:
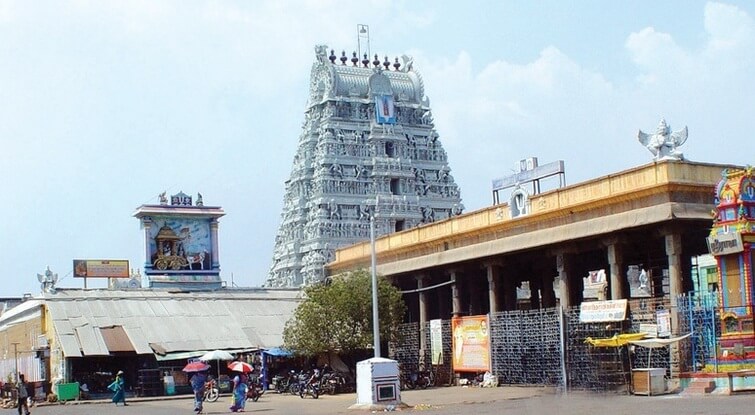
{"type": "Point", "coordinates": [390, 149]}
{"type": "Point", "coordinates": [400, 224]}
{"type": "Point", "coordinates": [395, 187]}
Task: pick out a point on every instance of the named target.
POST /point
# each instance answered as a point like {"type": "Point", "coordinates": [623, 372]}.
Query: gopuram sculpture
{"type": "Point", "coordinates": [664, 143]}
{"type": "Point", "coordinates": [367, 148]}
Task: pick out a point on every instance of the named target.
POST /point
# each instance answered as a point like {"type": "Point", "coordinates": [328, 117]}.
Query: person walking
{"type": "Point", "coordinates": [239, 393]}
{"type": "Point", "coordinates": [23, 395]}
{"type": "Point", "coordinates": [197, 385]}
{"type": "Point", "coordinates": [119, 389]}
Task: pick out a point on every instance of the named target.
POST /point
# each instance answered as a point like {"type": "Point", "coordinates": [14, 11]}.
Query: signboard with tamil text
{"type": "Point", "coordinates": [725, 244]}
{"type": "Point", "coordinates": [100, 268]}
{"type": "Point", "coordinates": [602, 311]}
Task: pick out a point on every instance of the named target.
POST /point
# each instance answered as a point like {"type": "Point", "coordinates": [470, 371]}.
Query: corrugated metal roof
{"type": "Point", "coordinates": [91, 341]}
{"type": "Point", "coordinates": [176, 322]}
{"type": "Point", "coordinates": [116, 339]}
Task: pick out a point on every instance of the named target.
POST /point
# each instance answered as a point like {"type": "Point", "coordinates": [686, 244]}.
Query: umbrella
{"type": "Point", "coordinates": [196, 367]}
{"type": "Point", "coordinates": [216, 355]}
{"type": "Point", "coordinates": [242, 367]}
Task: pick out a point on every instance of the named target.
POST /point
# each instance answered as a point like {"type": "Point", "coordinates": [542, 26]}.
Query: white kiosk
{"type": "Point", "coordinates": [378, 385]}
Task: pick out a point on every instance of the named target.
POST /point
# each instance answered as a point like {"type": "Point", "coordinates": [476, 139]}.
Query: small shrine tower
{"type": "Point", "coordinates": [181, 243]}
{"type": "Point", "coordinates": [731, 243]}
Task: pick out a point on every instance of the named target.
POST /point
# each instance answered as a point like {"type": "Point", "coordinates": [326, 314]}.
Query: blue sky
{"type": "Point", "coordinates": [105, 104]}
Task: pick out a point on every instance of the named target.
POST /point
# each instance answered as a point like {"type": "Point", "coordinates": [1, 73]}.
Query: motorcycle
{"type": "Point", "coordinates": [254, 389]}
{"type": "Point", "coordinates": [309, 385]}
{"type": "Point", "coordinates": [332, 383]}
{"type": "Point", "coordinates": [211, 391]}
{"type": "Point", "coordinates": [289, 383]}
{"type": "Point", "coordinates": [425, 378]}
{"type": "Point", "coordinates": [409, 380]}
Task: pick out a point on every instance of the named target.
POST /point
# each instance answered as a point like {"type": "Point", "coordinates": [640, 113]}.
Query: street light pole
{"type": "Point", "coordinates": [375, 317]}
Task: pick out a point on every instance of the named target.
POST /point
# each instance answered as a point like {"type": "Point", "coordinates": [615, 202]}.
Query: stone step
{"type": "Point", "coordinates": [699, 387]}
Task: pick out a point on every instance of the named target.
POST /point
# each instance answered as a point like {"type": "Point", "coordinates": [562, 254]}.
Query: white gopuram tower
{"type": "Point", "coordinates": [368, 146]}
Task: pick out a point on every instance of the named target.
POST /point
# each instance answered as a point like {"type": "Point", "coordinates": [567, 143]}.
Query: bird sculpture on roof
{"type": "Point", "coordinates": [664, 143]}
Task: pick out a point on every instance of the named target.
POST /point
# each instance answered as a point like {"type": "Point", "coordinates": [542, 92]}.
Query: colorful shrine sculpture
{"type": "Point", "coordinates": [730, 242]}
{"type": "Point", "coordinates": [181, 243]}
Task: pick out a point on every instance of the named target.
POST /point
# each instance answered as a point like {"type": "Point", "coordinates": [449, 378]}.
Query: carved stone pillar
{"type": "Point", "coordinates": [535, 302]}
{"type": "Point", "coordinates": [546, 290]}
{"type": "Point", "coordinates": [214, 239]}
{"type": "Point", "coordinates": [564, 266]}
{"type": "Point", "coordinates": [147, 222]}
{"type": "Point", "coordinates": [455, 293]}
{"type": "Point", "coordinates": [509, 281]}
{"type": "Point", "coordinates": [423, 304]}
{"type": "Point", "coordinates": [616, 264]}
{"type": "Point", "coordinates": [493, 275]}
{"type": "Point", "coordinates": [674, 254]}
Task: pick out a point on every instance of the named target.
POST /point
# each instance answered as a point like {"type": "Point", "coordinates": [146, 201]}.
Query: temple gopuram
{"type": "Point", "coordinates": [368, 148]}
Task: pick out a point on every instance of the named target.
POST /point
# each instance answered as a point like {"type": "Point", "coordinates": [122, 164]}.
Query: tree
{"type": "Point", "coordinates": [337, 317]}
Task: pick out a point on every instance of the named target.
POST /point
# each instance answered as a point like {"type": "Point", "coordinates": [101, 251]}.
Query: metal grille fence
{"type": "Point", "coordinates": [526, 346]}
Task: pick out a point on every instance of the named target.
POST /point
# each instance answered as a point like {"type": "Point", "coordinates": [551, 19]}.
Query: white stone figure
{"type": "Point", "coordinates": [664, 143]}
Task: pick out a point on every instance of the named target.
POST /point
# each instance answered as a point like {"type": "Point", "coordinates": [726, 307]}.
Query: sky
{"type": "Point", "coordinates": [106, 104]}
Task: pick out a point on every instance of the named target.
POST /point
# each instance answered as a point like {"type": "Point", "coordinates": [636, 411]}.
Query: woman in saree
{"type": "Point", "coordinates": [239, 393]}
{"type": "Point", "coordinates": [119, 388]}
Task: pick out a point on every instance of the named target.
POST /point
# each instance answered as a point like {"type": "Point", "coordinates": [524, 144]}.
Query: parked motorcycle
{"type": "Point", "coordinates": [332, 383]}
{"type": "Point", "coordinates": [309, 384]}
{"type": "Point", "coordinates": [287, 383]}
{"type": "Point", "coordinates": [211, 390]}
{"type": "Point", "coordinates": [254, 389]}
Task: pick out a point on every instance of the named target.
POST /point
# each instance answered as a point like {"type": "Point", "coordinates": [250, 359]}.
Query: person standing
{"type": "Point", "coordinates": [197, 385]}
{"type": "Point", "coordinates": [119, 388]}
{"type": "Point", "coordinates": [23, 395]}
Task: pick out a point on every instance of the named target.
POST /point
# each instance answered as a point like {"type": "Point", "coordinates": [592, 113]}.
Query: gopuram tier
{"type": "Point", "coordinates": [731, 243]}
{"type": "Point", "coordinates": [368, 147]}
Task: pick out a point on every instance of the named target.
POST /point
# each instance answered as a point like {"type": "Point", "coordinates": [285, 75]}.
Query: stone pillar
{"type": "Point", "coordinates": [564, 266]}
{"type": "Point", "coordinates": [509, 289]}
{"type": "Point", "coordinates": [455, 293]}
{"type": "Point", "coordinates": [147, 222]}
{"type": "Point", "coordinates": [546, 290]}
{"type": "Point", "coordinates": [674, 254]}
{"type": "Point", "coordinates": [214, 238]}
{"type": "Point", "coordinates": [443, 303]}
{"type": "Point", "coordinates": [616, 264]}
{"type": "Point", "coordinates": [423, 304]}
{"type": "Point", "coordinates": [534, 291]}
{"type": "Point", "coordinates": [492, 273]}
{"type": "Point", "coordinates": [474, 294]}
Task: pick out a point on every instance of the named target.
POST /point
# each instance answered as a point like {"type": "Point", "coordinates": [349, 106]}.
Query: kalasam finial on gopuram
{"type": "Point", "coordinates": [664, 144]}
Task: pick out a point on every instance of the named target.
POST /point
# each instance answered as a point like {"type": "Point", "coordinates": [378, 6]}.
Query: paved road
{"type": "Point", "coordinates": [445, 401]}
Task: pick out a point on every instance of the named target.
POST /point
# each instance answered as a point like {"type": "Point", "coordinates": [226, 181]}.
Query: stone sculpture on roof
{"type": "Point", "coordinates": [664, 143]}
{"type": "Point", "coordinates": [368, 146]}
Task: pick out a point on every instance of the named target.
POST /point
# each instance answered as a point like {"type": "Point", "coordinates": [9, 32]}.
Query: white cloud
{"type": "Point", "coordinates": [729, 28]}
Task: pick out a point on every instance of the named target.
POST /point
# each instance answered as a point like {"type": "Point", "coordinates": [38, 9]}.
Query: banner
{"type": "Point", "coordinates": [384, 110]}
{"type": "Point", "coordinates": [436, 342]}
{"type": "Point", "coordinates": [471, 344]}
{"type": "Point", "coordinates": [100, 268]}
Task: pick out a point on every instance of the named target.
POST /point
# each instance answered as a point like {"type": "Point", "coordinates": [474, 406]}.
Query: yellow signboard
{"type": "Point", "coordinates": [100, 268]}
{"type": "Point", "coordinates": [471, 343]}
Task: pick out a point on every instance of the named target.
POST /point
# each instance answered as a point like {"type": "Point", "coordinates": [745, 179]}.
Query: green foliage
{"type": "Point", "coordinates": [338, 317]}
